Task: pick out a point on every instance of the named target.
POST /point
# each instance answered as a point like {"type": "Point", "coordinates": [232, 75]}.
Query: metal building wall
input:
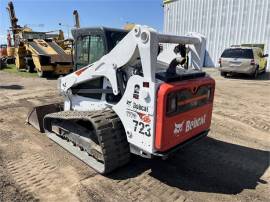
{"type": "Point", "coordinates": [223, 22]}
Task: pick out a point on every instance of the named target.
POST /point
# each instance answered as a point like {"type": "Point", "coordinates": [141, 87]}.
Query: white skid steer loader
{"type": "Point", "coordinates": [135, 99]}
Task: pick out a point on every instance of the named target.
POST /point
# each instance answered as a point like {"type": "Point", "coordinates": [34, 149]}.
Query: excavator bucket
{"type": "Point", "coordinates": [37, 114]}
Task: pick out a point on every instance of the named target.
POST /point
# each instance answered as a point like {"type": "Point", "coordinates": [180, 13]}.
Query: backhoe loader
{"type": "Point", "coordinates": [36, 51]}
{"type": "Point", "coordinates": [125, 96]}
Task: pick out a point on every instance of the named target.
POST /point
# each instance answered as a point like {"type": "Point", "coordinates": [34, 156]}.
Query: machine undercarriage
{"type": "Point", "coordinates": [97, 138]}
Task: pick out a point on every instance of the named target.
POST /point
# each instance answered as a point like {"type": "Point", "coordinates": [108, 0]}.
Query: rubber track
{"type": "Point", "coordinates": [110, 132]}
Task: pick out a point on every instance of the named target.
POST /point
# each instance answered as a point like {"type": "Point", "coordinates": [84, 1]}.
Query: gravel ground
{"type": "Point", "coordinates": [231, 164]}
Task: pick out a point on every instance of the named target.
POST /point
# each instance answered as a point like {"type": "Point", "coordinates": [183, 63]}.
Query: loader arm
{"type": "Point", "coordinates": [141, 42]}
{"type": "Point", "coordinates": [105, 67]}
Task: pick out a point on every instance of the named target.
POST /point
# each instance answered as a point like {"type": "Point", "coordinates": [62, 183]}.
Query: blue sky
{"type": "Point", "coordinates": [45, 15]}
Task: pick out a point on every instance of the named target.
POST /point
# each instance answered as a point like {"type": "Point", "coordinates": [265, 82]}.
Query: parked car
{"type": "Point", "coordinates": [243, 60]}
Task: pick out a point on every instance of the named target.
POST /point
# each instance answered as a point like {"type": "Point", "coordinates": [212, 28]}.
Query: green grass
{"type": "Point", "coordinates": [13, 70]}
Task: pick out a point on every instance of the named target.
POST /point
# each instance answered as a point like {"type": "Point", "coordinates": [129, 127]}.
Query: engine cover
{"type": "Point", "coordinates": [192, 112]}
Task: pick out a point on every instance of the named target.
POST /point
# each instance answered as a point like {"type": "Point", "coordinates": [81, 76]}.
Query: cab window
{"type": "Point", "coordinates": [89, 49]}
{"type": "Point", "coordinates": [113, 38]}
{"type": "Point", "coordinates": [82, 51]}
{"type": "Point", "coordinates": [96, 50]}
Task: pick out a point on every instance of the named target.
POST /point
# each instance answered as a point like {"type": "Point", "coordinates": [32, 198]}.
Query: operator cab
{"type": "Point", "coordinates": [90, 45]}
{"type": "Point", "coordinates": [93, 43]}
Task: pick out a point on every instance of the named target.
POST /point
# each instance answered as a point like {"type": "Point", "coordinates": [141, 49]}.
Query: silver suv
{"type": "Point", "coordinates": [244, 60]}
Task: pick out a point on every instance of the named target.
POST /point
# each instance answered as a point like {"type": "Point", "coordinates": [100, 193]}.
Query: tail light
{"type": "Point", "coordinates": [219, 62]}
{"type": "Point", "coordinates": [252, 62]}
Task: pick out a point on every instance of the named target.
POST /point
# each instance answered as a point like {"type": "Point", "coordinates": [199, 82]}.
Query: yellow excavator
{"type": "Point", "coordinates": [37, 51]}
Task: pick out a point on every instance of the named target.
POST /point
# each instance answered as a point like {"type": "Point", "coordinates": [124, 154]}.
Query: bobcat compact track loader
{"type": "Point", "coordinates": [133, 100]}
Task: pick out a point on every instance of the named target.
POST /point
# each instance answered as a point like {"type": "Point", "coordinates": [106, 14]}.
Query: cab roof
{"type": "Point", "coordinates": [87, 30]}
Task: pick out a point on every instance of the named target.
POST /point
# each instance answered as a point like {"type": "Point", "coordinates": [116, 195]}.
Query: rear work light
{"type": "Point", "coordinates": [171, 103]}
{"type": "Point", "coordinates": [185, 100]}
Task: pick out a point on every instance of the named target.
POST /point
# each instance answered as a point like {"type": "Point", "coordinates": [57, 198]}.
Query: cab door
{"type": "Point", "coordinates": [82, 49]}
{"type": "Point", "coordinates": [96, 48]}
{"type": "Point", "coordinates": [89, 49]}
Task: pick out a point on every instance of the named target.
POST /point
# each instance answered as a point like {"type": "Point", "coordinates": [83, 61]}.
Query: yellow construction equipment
{"type": "Point", "coordinates": [58, 37]}
{"type": "Point", "coordinates": [129, 26]}
{"type": "Point", "coordinates": [38, 50]}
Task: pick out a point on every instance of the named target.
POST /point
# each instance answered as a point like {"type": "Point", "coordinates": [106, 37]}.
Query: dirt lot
{"type": "Point", "coordinates": [231, 164]}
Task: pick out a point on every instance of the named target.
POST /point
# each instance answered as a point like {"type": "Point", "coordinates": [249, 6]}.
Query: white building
{"type": "Point", "coordinates": [223, 22]}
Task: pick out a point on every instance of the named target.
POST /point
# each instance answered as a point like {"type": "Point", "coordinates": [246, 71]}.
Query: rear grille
{"type": "Point", "coordinates": [188, 99]}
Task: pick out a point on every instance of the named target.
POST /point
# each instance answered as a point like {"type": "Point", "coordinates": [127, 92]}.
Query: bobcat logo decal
{"type": "Point", "coordinates": [189, 125]}
{"type": "Point", "coordinates": [178, 127]}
